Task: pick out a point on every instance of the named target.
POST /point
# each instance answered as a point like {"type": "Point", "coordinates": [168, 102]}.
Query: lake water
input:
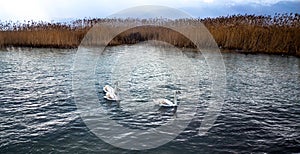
{"type": "Point", "coordinates": [38, 114]}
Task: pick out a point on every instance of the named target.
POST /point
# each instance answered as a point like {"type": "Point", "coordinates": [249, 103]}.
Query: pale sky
{"type": "Point", "coordinates": [47, 10]}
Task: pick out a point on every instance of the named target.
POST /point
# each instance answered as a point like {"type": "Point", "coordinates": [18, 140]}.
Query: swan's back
{"type": "Point", "coordinates": [111, 96]}
{"type": "Point", "coordinates": [163, 102]}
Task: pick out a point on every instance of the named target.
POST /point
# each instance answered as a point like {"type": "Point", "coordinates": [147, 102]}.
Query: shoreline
{"type": "Point", "coordinates": [235, 51]}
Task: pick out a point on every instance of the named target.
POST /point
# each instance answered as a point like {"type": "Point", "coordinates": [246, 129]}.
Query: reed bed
{"type": "Point", "coordinates": [279, 34]}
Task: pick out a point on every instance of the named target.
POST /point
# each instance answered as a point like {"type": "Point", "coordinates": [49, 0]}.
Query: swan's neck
{"type": "Point", "coordinates": [116, 87]}
{"type": "Point", "coordinates": [175, 99]}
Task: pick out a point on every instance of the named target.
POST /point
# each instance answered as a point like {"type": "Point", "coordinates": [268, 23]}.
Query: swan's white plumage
{"type": "Point", "coordinates": [108, 88]}
{"type": "Point", "coordinates": [111, 96]}
{"type": "Point", "coordinates": [111, 93]}
{"type": "Point", "coordinates": [166, 102]}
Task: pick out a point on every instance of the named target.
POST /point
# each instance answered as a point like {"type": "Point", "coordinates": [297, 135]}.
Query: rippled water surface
{"type": "Point", "coordinates": [38, 113]}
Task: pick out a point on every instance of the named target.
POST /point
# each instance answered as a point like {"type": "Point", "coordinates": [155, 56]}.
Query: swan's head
{"type": "Point", "coordinates": [116, 83]}
{"type": "Point", "coordinates": [177, 92]}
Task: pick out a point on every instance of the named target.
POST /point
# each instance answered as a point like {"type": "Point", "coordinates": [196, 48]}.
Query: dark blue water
{"type": "Point", "coordinates": [38, 114]}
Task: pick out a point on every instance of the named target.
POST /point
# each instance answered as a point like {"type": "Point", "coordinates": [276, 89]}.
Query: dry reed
{"type": "Point", "coordinates": [279, 34]}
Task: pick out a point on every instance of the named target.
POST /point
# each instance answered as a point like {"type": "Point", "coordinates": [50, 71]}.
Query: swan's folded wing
{"type": "Point", "coordinates": [164, 102]}
{"type": "Point", "coordinates": [104, 89]}
{"type": "Point", "coordinates": [157, 101]}
{"type": "Point", "coordinates": [111, 96]}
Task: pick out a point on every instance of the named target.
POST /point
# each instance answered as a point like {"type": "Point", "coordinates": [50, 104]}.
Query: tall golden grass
{"type": "Point", "coordinates": [248, 33]}
{"type": "Point", "coordinates": [280, 34]}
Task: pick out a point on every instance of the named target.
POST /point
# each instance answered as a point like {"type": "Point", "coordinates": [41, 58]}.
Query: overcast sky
{"type": "Point", "coordinates": [58, 9]}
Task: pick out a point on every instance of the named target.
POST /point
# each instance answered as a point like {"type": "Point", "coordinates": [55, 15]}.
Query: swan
{"type": "Point", "coordinates": [111, 93]}
{"type": "Point", "coordinates": [166, 102]}
{"type": "Point", "coordinates": [108, 88]}
{"type": "Point", "coordinates": [111, 96]}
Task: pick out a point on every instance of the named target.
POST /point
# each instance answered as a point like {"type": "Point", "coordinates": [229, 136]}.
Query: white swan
{"type": "Point", "coordinates": [108, 88]}
{"type": "Point", "coordinates": [111, 93]}
{"type": "Point", "coordinates": [166, 102]}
